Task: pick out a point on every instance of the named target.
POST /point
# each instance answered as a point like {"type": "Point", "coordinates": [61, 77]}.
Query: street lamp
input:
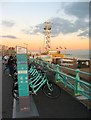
{"type": "Point", "coordinates": [26, 45]}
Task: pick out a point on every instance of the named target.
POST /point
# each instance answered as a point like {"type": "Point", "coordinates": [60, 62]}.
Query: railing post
{"type": "Point", "coordinates": [65, 81]}
{"type": "Point", "coordinates": [39, 62]}
{"type": "Point", "coordinates": [57, 72]}
{"type": "Point", "coordinates": [35, 61]}
{"type": "Point", "coordinates": [48, 64]}
{"type": "Point", "coordinates": [42, 63]}
{"type": "Point", "coordinates": [77, 84]}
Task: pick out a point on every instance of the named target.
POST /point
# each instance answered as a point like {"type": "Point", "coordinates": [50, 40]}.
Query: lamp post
{"type": "Point", "coordinates": [26, 45]}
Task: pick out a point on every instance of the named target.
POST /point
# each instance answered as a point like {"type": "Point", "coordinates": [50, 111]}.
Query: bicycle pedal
{"type": "Point", "coordinates": [33, 93]}
{"type": "Point", "coordinates": [49, 93]}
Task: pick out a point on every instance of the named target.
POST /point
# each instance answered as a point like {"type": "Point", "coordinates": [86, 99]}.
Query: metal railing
{"type": "Point", "coordinates": [75, 83]}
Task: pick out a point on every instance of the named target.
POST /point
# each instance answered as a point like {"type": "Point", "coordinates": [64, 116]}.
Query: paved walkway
{"type": "Point", "coordinates": [64, 107]}
{"type": "Point", "coordinates": [7, 99]}
{"type": "Point", "coordinates": [0, 89]}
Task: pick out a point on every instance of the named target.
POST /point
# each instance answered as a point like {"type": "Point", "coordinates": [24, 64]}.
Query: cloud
{"type": "Point", "coordinates": [29, 30]}
{"type": "Point", "coordinates": [90, 31]}
{"type": "Point", "coordinates": [26, 31]}
{"type": "Point", "coordinates": [60, 25]}
{"type": "Point", "coordinates": [9, 36]}
{"type": "Point", "coordinates": [84, 33]}
{"type": "Point", "coordinates": [39, 29]}
{"type": "Point", "coordinates": [8, 23]}
{"type": "Point", "coordinates": [33, 30]}
{"type": "Point", "coordinates": [78, 9]}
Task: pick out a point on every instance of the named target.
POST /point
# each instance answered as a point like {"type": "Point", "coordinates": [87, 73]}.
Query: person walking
{"type": "Point", "coordinates": [11, 65]}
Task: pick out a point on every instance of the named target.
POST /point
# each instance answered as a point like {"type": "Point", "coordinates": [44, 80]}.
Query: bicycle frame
{"type": "Point", "coordinates": [36, 83]}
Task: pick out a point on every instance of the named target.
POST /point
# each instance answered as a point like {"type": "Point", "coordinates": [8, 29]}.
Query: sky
{"type": "Point", "coordinates": [22, 23]}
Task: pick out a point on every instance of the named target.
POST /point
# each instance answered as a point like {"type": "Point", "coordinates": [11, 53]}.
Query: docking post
{"type": "Point", "coordinates": [22, 68]}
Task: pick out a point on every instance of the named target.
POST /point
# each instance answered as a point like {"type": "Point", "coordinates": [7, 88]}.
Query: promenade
{"type": "Point", "coordinates": [0, 89]}
{"type": "Point", "coordinates": [7, 99]}
{"type": "Point", "coordinates": [65, 106]}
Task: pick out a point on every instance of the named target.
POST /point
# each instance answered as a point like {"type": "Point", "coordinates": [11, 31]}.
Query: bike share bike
{"type": "Point", "coordinates": [39, 78]}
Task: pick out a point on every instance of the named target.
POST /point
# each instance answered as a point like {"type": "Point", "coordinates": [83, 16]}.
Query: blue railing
{"type": "Point", "coordinates": [75, 83]}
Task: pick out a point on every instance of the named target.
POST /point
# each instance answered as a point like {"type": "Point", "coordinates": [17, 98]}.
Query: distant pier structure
{"type": "Point", "coordinates": [47, 36]}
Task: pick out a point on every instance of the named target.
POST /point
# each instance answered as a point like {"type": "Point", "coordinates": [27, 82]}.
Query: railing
{"type": "Point", "coordinates": [77, 85]}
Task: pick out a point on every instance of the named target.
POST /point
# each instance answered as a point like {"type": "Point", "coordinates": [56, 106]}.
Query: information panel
{"type": "Point", "coordinates": [22, 69]}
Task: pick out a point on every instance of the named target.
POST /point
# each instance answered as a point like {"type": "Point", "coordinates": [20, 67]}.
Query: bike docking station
{"type": "Point", "coordinates": [25, 106]}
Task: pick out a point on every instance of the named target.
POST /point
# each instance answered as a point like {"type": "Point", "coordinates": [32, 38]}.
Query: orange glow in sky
{"type": "Point", "coordinates": [36, 42]}
{"type": "Point", "coordinates": [22, 24]}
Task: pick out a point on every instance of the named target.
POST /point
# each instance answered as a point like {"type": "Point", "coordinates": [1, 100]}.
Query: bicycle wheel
{"type": "Point", "coordinates": [55, 91]}
{"type": "Point", "coordinates": [15, 93]}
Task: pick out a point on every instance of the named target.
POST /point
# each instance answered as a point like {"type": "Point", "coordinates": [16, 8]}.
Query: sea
{"type": "Point", "coordinates": [85, 56]}
{"type": "Point", "coordinates": [78, 54]}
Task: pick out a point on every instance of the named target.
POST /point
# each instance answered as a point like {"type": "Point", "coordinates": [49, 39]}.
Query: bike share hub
{"type": "Point", "coordinates": [25, 107]}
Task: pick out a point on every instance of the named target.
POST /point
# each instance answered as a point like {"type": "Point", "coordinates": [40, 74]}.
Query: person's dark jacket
{"type": "Point", "coordinates": [10, 61]}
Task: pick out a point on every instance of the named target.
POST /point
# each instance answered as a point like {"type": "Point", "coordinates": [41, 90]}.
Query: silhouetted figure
{"type": "Point", "coordinates": [11, 65]}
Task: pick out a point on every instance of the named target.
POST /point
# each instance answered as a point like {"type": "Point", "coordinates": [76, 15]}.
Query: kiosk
{"type": "Point", "coordinates": [25, 107]}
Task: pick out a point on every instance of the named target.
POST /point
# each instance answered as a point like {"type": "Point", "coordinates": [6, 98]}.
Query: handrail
{"type": "Point", "coordinates": [79, 86]}
{"type": "Point", "coordinates": [85, 73]}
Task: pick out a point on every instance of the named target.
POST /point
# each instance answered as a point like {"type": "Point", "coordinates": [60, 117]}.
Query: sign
{"type": "Point", "coordinates": [22, 70]}
{"type": "Point", "coordinates": [21, 50]}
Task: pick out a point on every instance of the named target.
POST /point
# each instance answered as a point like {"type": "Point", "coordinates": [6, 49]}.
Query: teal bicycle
{"type": "Point", "coordinates": [38, 80]}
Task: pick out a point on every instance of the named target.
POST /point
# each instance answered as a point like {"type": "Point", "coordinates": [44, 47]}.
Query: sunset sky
{"type": "Point", "coordinates": [22, 23]}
